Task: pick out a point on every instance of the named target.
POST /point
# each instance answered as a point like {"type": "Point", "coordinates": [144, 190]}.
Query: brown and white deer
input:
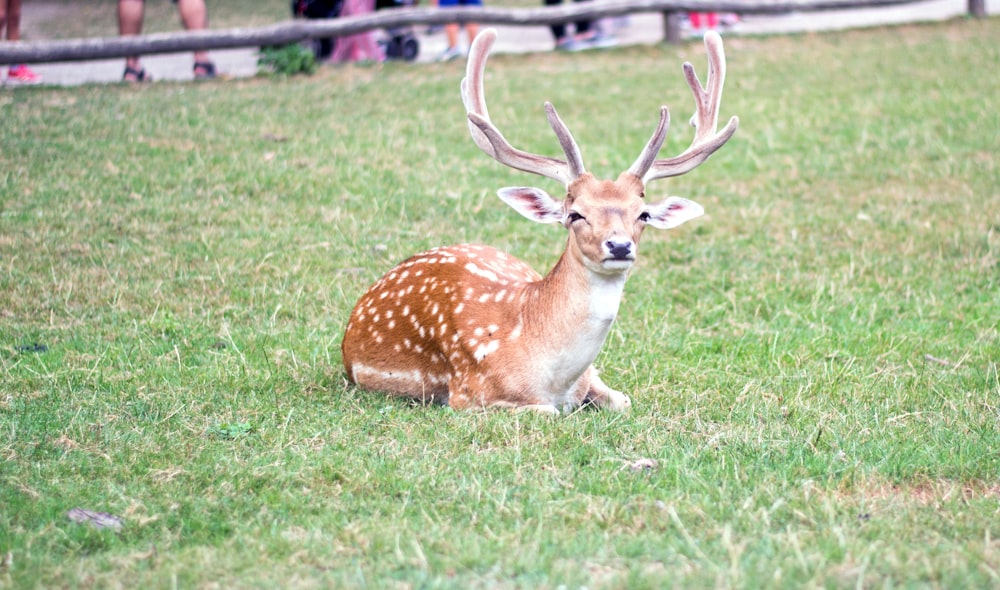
{"type": "Point", "coordinates": [473, 327]}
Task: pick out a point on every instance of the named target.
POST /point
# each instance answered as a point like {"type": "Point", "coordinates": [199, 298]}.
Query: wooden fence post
{"type": "Point", "coordinates": [672, 27]}
{"type": "Point", "coordinates": [977, 8]}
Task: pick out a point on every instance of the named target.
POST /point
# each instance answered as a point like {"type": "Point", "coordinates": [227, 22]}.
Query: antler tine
{"type": "Point", "coordinates": [648, 155]}
{"type": "Point", "coordinates": [573, 157]}
{"type": "Point", "coordinates": [705, 120]}
{"type": "Point", "coordinates": [489, 138]}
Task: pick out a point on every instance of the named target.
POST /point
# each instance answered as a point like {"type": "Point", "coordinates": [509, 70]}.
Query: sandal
{"type": "Point", "coordinates": [138, 75]}
{"type": "Point", "coordinates": [204, 70]}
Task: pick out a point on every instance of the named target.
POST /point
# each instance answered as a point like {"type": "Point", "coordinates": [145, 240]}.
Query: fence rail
{"type": "Point", "coordinates": [294, 31]}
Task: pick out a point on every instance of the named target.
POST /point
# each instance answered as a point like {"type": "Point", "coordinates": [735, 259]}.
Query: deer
{"type": "Point", "coordinates": [472, 327]}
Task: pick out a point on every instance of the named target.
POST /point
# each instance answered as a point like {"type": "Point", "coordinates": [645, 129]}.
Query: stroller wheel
{"type": "Point", "coordinates": [410, 48]}
{"type": "Point", "coordinates": [393, 48]}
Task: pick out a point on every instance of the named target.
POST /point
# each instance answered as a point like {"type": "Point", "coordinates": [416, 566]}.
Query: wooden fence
{"type": "Point", "coordinates": [294, 31]}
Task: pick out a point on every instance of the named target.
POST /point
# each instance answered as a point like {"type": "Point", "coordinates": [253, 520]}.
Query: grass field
{"type": "Point", "coordinates": [813, 365]}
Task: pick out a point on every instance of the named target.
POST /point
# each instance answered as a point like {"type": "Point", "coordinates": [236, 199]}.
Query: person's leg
{"type": "Point", "coordinates": [13, 19]}
{"type": "Point", "coordinates": [559, 29]}
{"type": "Point", "coordinates": [130, 14]}
{"type": "Point", "coordinates": [10, 20]}
{"type": "Point", "coordinates": [583, 26]}
{"type": "Point", "coordinates": [451, 34]}
{"type": "Point", "coordinates": [471, 29]}
{"type": "Point", "coordinates": [194, 17]}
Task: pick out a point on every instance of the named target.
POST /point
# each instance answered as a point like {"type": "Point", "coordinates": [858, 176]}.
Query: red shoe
{"type": "Point", "coordinates": [22, 74]}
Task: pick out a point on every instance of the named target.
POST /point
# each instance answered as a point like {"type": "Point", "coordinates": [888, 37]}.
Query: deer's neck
{"type": "Point", "coordinates": [571, 312]}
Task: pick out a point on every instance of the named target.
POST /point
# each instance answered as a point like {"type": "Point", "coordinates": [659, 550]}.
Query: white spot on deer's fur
{"type": "Point", "coordinates": [486, 274]}
{"type": "Point", "coordinates": [459, 308]}
{"type": "Point", "coordinates": [486, 349]}
{"type": "Point", "coordinates": [515, 333]}
{"type": "Point", "coordinates": [484, 298]}
{"type": "Point", "coordinates": [492, 328]}
{"type": "Point", "coordinates": [406, 310]}
{"type": "Point", "coordinates": [392, 324]}
{"type": "Point", "coordinates": [479, 331]}
{"type": "Point", "coordinates": [499, 296]}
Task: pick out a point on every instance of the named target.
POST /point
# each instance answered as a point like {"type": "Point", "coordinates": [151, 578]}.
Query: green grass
{"type": "Point", "coordinates": [813, 365]}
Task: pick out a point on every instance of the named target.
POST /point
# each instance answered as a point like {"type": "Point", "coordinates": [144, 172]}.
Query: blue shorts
{"type": "Point", "coordinates": [450, 3]}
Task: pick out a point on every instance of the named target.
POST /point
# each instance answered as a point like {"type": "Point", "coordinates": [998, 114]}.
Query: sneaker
{"type": "Point", "coordinates": [450, 54]}
{"type": "Point", "coordinates": [601, 41]}
{"type": "Point", "coordinates": [570, 44]}
{"type": "Point", "coordinates": [22, 74]}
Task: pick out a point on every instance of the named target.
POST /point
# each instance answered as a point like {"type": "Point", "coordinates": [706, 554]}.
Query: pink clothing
{"type": "Point", "coordinates": [704, 20]}
{"type": "Point", "coordinates": [360, 47]}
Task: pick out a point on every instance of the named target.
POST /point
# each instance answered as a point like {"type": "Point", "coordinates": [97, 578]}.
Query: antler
{"type": "Point", "coordinates": [705, 120]}
{"type": "Point", "coordinates": [490, 140]}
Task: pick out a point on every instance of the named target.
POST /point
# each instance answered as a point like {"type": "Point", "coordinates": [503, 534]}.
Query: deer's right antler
{"type": "Point", "coordinates": [490, 140]}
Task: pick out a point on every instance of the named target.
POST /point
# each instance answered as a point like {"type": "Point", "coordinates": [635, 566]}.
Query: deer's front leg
{"type": "Point", "coordinates": [603, 396]}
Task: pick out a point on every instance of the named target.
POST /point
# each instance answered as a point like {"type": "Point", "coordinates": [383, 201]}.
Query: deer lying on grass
{"type": "Point", "coordinates": [473, 327]}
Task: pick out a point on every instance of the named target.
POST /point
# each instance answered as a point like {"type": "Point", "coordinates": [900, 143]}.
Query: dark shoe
{"type": "Point", "coordinates": [137, 75]}
{"type": "Point", "coordinates": [204, 70]}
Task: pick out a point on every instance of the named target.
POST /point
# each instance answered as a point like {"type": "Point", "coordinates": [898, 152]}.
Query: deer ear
{"type": "Point", "coordinates": [533, 203]}
{"type": "Point", "coordinates": [672, 212]}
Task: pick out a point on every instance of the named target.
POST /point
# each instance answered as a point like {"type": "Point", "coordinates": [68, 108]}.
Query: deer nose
{"type": "Point", "coordinates": [619, 249]}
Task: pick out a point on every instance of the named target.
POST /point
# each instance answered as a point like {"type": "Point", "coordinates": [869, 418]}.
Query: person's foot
{"type": "Point", "coordinates": [22, 74]}
{"type": "Point", "coordinates": [204, 70]}
{"type": "Point", "coordinates": [450, 54]}
{"type": "Point", "coordinates": [570, 44]}
{"type": "Point", "coordinates": [601, 41]}
{"type": "Point", "coordinates": [136, 74]}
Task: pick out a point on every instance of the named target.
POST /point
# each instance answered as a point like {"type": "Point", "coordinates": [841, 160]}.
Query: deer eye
{"type": "Point", "coordinates": [644, 217]}
{"type": "Point", "coordinates": [573, 217]}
